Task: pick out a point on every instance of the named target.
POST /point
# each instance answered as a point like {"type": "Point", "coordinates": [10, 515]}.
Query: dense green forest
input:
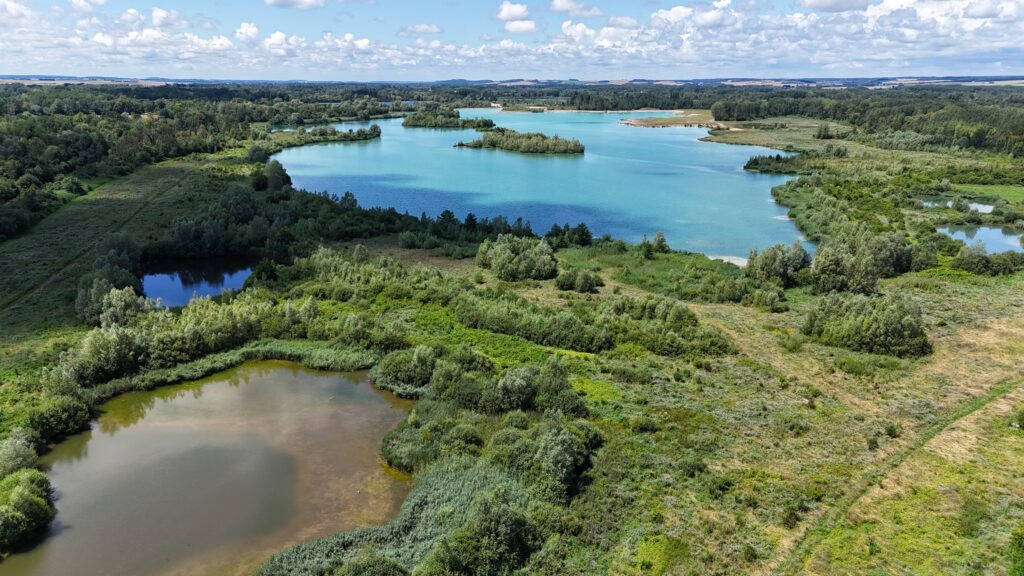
{"type": "Point", "coordinates": [583, 405]}
{"type": "Point", "coordinates": [55, 143]}
{"type": "Point", "coordinates": [435, 116]}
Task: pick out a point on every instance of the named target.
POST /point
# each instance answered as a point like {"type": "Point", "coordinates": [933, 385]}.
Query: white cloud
{"type": "Point", "coordinates": [670, 17]}
{"type": "Point", "coordinates": [104, 39]}
{"type": "Point", "coordinates": [835, 5]}
{"type": "Point", "coordinates": [130, 17]}
{"type": "Point", "coordinates": [280, 44]}
{"type": "Point", "coordinates": [420, 29]}
{"type": "Point", "coordinates": [166, 18]}
{"type": "Point", "coordinates": [247, 32]}
{"type": "Point", "coordinates": [575, 8]}
{"type": "Point", "coordinates": [520, 26]}
{"type": "Point", "coordinates": [16, 15]}
{"type": "Point", "coordinates": [510, 12]}
{"type": "Point", "coordinates": [85, 6]}
{"type": "Point", "coordinates": [703, 38]}
{"type": "Point", "coordinates": [300, 4]}
{"type": "Point", "coordinates": [623, 22]}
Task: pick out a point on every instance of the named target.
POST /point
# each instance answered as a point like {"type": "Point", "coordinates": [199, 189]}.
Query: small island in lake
{"type": "Point", "coordinates": [438, 117]}
{"type": "Point", "coordinates": [525, 142]}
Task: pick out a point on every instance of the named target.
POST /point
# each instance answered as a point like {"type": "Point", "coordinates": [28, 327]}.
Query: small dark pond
{"type": "Point", "coordinates": [175, 282]}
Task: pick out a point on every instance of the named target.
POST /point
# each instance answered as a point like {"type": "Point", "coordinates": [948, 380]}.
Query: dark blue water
{"type": "Point", "coordinates": [177, 282]}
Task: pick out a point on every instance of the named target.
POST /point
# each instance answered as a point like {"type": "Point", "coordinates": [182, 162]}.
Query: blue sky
{"type": "Point", "coordinates": [487, 39]}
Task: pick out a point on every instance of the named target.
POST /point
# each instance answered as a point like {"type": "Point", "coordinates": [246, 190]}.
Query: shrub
{"type": "Point", "coordinates": [497, 540]}
{"type": "Point", "coordinates": [107, 353]}
{"type": "Point", "coordinates": [116, 266]}
{"type": "Point", "coordinates": [506, 313]}
{"type": "Point", "coordinates": [471, 360]}
{"type": "Point", "coordinates": [370, 564]}
{"type": "Point", "coordinates": [855, 258]}
{"type": "Point", "coordinates": [975, 259]}
{"type": "Point", "coordinates": [516, 419]}
{"type": "Point", "coordinates": [837, 269]}
{"type": "Point", "coordinates": [778, 264]}
{"type": "Point", "coordinates": [771, 299]}
{"type": "Point", "coordinates": [405, 372]}
{"type": "Point", "coordinates": [59, 416]}
{"type": "Point", "coordinates": [17, 451]}
{"type": "Point", "coordinates": [1017, 419]}
{"type": "Point", "coordinates": [25, 507]}
{"type": "Point", "coordinates": [882, 324]}
{"type": "Point", "coordinates": [120, 307]}
{"type": "Point", "coordinates": [514, 390]}
{"type": "Point", "coordinates": [582, 281]}
{"type": "Point", "coordinates": [1015, 552]}
{"type": "Point", "coordinates": [554, 394]}
{"type": "Point", "coordinates": [419, 439]}
{"type": "Point", "coordinates": [513, 258]}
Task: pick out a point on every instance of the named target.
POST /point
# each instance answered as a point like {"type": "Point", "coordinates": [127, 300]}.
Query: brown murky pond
{"type": "Point", "coordinates": [213, 476]}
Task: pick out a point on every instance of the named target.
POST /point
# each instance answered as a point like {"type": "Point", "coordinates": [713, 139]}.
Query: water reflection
{"type": "Point", "coordinates": [176, 282]}
{"type": "Point", "coordinates": [995, 238]}
{"type": "Point", "coordinates": [212, 476]}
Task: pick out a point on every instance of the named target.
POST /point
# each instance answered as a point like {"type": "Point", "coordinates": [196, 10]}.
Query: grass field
{"type": "Point", "coordinates": [695, 117]}
{"type": "Point", "coordinates": [790, 431]}
{"type": "Point", "coordinates": [1008, 193]}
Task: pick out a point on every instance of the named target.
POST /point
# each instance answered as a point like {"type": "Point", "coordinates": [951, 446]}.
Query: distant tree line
{"type": "Point", "coordinates": [434, 116]}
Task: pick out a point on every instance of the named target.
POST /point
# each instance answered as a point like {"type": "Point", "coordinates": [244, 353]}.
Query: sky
{"type": "Point", "coordinates": [416, 40]}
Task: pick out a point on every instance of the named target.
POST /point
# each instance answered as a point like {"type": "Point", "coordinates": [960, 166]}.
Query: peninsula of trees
{"type": "Point", "coordinates": [525, 142]}
{"type": "Point", "coordinates": [438, 117]}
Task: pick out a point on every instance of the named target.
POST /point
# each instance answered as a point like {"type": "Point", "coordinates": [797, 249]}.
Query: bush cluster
{"type": "Point", "coordinates": [778, 265]}
{"type": "Point", "coordinates": [854, 259]}
{"type": "Point", "coordinates": [878, 324]}
{"type": "Point", "coordinates": [582, 281]}
{"type": "Point", "coordinates": [117, 265]}
{"type": "Point", "coordinates": [975, 259]}
{"type": "Point", "coordinates": [26, 507]}
{"type": "Point", "coordinates": [512, 258]}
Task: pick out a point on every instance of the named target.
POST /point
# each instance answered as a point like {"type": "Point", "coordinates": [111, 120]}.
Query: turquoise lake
{"type": "Point", "coordinates": [630, 182]}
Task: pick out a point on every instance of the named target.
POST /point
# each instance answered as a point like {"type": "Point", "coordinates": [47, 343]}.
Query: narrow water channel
{"type": "Point", "coordinates": [212, 476]}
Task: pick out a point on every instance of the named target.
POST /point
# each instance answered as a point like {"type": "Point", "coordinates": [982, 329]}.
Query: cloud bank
{"type": "Point", "coordinates": [566, 38]}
